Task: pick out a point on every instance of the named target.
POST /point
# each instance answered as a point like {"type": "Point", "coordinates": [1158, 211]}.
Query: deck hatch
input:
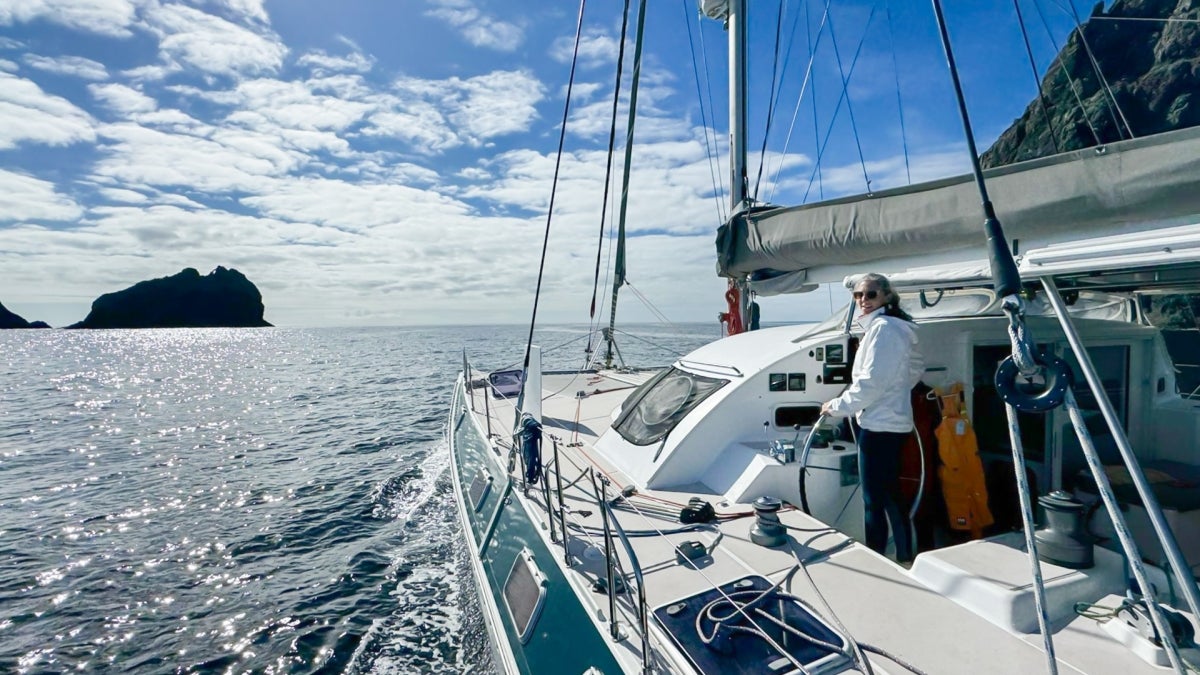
{"type": "Point", "coordinates": [525, 593]}
{"type": "Point", "coordinates": [481, 487]}
{"type": "Point", "coordinates": [733, 648]}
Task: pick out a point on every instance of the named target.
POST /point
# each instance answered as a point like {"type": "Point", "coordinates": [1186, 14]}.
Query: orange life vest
{"type": "Point", "coordinates": [961, 472]}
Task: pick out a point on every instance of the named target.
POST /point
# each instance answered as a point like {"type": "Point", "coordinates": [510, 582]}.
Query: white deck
{"type": "Point", "coordinates": [957, 628]}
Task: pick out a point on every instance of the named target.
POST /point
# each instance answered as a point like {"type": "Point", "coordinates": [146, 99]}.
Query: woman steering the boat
{"type": "Point", "coordinates": [886, 367]}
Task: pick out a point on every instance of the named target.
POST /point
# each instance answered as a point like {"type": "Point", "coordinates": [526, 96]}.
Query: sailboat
{"type": "Point", "coordinates": [705, 518]}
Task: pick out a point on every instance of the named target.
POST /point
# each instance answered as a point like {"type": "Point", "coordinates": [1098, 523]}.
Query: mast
{"type": "Point", "coordinates": [736, 25]}
{"type": "Point", "coordinates": [738, 188]}
{"type": "Point", "coordinates": [733, 12]}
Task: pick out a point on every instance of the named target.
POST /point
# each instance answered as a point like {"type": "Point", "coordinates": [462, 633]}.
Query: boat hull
{"type": "Point", "coordinates": [501, 532]}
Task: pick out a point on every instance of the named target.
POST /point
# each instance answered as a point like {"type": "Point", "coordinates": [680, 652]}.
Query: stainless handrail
{"type": "Point", "coordinates": [562, 512]}
{"type": "Point", "coordinates": [549, 506]}
{"type": "Point", "coordinates": [601, 499]}
{"type": "Point", "coordinates": [611, 561]}
{"type": "Point", "coordinates": [643, 614]}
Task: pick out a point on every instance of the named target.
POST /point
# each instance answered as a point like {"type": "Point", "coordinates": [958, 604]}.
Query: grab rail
{"type": "Point", "coordinates": [643, 615]}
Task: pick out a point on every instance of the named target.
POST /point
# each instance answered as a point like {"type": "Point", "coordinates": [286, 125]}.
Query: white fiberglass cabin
{"type": "Point", "coordinates": [729, 419]}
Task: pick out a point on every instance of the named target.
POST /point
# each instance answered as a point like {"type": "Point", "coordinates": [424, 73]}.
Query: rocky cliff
{"type": "Point", "coordinates": [222, 298]}
{"type": "Point", "coordinates": [1149, 54]}
{"type": "Point", "coordinates": [10, 320]}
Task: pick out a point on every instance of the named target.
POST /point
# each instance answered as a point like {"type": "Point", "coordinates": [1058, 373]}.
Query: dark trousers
{"type": "Point", "coordinates": [879, 466]}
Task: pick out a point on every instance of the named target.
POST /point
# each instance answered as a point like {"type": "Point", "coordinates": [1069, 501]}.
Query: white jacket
{"type": "Point", "coordinates": [886, 367]}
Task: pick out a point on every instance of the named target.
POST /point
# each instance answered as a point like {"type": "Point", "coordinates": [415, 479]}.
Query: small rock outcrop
{"type": "Point", "coordinates": [10, 320]}
{"type": "Point", "coordinates": [224, 298]}
{"type": "Point", "coordinates": [1149, 54]}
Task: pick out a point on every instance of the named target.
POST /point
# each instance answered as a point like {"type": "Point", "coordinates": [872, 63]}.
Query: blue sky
{"type": "Point", "coordinates": [368, 162]}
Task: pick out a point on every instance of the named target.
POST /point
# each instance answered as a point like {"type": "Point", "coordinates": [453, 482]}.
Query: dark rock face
{"type": "Point", "coordinates": [223, 298]}
{"type": "Point", "coordinates": [1152, 71]}
{"type": "Point", "coordinates": [11, 320]}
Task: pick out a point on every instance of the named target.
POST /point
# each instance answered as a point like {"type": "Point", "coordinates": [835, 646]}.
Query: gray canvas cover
{"type": "Point", "coordinates": [1118, 187]}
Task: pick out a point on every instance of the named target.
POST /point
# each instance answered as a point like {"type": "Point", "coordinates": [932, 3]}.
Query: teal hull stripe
{"type": "Point", "coordinates": [564, 639]}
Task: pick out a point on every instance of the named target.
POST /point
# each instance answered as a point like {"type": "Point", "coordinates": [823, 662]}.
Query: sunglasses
{"type": "Point", "coordinates": [870, 295]}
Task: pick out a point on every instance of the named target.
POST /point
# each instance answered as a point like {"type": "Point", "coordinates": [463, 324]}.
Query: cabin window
{"type": "Point", "coordinates": [1112, 365]}
{"type": "Point", "coordinates": [987, 410]}
{"type": "Point", "coordinates": [506, 383]}
{"type": "Point", "coordinates": [525, 593]}
{"type": "Point", "coordinates": [777, 382]}
{"type": "Point", "coordinates": [660, 404]}
{"type": "Point", "coordinates": [786, 382]}
{"type": "Point", "coordinates": [791, 416]}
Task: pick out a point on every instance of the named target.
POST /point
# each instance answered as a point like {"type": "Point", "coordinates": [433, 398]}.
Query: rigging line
{"type": "Point", "coordinates": [837, 108]}
{"type": "Point", "coordinates": [651, 343]}
{"type": "Point", "coordinates": [837, 53]}
{"type": "Point", "coordinates": [816, 126]}
{"type": "Point", "coordinates": [562, 136]}
{"type": "Point", "coordinates": [1037, 80]}
{"type": "Point", "coordinates": [861, 658]}
{"type": "Point", "coordinates": [808, 80]}
{"type": "Point", "coordinates": [645, 301]}
{"type": "Point", "coordinates": [1005, 278]}
{"type": "Point", "coordinates": [887, 8]}
{"type": "Point", "coordinates": [550, 349]}
{"type": "Point", "coordinates": [711, 106]}
{"type": "Point", "coordinates": [709, 145]}
{"type": "Point", "coordinates": [716, 587]}
{"type": "Point", "coordinates": [1063, 68]}
{"type": "Point", "coordinates": [650, 305]}
{"type": "Point", "coordinates": [612, 140]}
{"type": "Point", "coordinates": [608, 269]}
{"type": "Point", "coordinates": [619, 272]}
{"type": "Point", "coordinates": [574, 378]}
{"type": "Point", "coordinates": [771, 98]}
{"type": "Point", "coordinates": [1111, 97]}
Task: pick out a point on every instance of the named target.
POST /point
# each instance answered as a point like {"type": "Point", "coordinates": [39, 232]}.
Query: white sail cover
{"type": "Point", "coordinates": [1128, 186]}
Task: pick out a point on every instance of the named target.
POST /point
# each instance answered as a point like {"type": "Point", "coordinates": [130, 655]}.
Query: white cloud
{"type": "Point", "coordinates": [476, 27]}
{"type": "Point", "coordinates": [151, 73]}
{"type": "Point", "coordinates": [355, 207]}
{"type": "Point", "coordinates": [224, 161]}
{"type": "Point", "coordinates": [323, 63]}
{"type": "Point", "coordinates": [25, 198]}
{"type": "Point", "coordinates": [123, 100]}
{"type": "Point", "coordinates": [418, 122]}
{"type": "Point", "coordinates": [213, 45]}
{"type": "Point", "coordinates": [440, 114]}
{"type": "Point", "coordinates": [123, 196]}
{"type": "Point", "coordinates": [9, 66]}
{"type": "Point", "coordinates": [595, 49]}
{"type": "Point", "coordinates": [29, 115]}
{"type": "Point", "coordinates": [293, 105]}
{"type": "Point", "coordinates": [248, 9]}
{"type": "Point", "coordinates": [106, 17]}
{"type": "Point", "coordinates": [76, 66]}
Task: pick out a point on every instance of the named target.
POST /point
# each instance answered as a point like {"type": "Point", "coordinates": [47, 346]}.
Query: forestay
{"type": "Point", "coordinates": [1123, 187]}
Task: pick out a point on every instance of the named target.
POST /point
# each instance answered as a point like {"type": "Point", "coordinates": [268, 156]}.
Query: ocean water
{"type": "Point", "coordinates": [246, 500]}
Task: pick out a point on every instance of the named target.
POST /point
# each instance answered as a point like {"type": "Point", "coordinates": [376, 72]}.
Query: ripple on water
{"type": "Point", "coordinates": [273, 501]}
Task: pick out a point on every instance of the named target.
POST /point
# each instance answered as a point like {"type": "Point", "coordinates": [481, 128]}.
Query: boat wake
{"type": "Point", "coordinates": [433, 623]}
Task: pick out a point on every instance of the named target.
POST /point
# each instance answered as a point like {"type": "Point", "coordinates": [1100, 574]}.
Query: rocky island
{"type": "Point", "coordinates": [1148, 52]}
{"type": "Point", "coordinates": [224, 298]}
{"type": "Point", "coordinates": [9, 319]}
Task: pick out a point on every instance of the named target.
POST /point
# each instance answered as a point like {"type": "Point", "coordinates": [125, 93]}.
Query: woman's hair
{"type": "Point", "coordinates": [890, 296]}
